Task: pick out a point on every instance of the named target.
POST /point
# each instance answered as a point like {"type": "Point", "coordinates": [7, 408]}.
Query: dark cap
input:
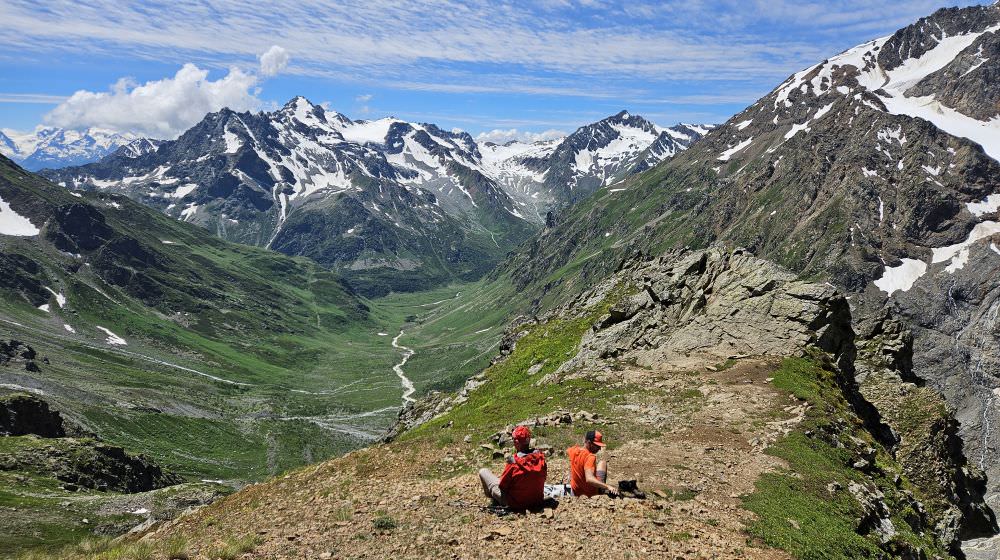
{"type": "Point", "coordinates": [595, 437]}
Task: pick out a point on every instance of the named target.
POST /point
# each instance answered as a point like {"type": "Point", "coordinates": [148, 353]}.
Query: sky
{"type": "Point", "coordinates": [499, 70]}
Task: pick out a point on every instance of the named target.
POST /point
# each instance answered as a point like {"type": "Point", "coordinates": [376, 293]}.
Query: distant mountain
{"type": "Point", "coordinates": [373, 198]}
{"type": "Point", "coordinates": [596, 155]}
{"type": "Point", "coordinates": [58, 147]}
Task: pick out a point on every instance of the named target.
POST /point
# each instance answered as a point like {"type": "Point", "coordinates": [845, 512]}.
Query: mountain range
{"type": "Point", "coordinates": [372, 199]}
{"type": "Point", "coordinates": [47, 147]}
{"type": "Point", "coordinates": [792, 314]}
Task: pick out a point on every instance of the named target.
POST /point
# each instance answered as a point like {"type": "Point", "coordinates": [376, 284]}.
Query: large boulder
{"type": "Point", "coordinates": [26, 414]}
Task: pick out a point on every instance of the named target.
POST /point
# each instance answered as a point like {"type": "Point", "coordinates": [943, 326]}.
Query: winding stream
{"type": "Point", "coordinates": [408, 388]}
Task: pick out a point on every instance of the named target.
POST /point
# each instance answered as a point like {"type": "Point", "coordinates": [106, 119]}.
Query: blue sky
{"type": "Point", "coordinates": [157, 67]}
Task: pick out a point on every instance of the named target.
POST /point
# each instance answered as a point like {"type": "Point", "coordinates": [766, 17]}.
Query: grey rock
{"type": "Point", "coordinates": [715, 304]}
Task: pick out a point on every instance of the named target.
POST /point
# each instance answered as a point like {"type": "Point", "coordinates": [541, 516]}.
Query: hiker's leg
{"type": "Point", "coordinates": [487, 479]}
{"type": "Point", "coordinates": [491, 485]}
{"type": "Point", "coordinates": [602, 471]}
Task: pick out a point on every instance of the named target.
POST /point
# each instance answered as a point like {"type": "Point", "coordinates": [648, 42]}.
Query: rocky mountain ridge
{"type": "Point", "coordinates": [557, 173]}
{"type": "Point", "coordinates": [373, 198]}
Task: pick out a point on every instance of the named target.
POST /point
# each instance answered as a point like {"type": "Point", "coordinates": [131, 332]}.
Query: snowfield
{"type": "Point", "coordinates": [12, 223]}
{"type": "Point", "coordinates": [902, 277]}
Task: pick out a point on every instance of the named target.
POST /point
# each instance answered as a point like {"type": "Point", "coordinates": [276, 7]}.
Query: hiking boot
{"type": "Point", "coordinates": [630, 488]}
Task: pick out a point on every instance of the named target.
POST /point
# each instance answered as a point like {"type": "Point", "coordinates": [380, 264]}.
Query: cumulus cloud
{"type": "Point", "coordinates": [273, 61]}
{"type": "Point", "coordinates": [501, 136]}
{"type": "Point", "coordinates": [160, 108]}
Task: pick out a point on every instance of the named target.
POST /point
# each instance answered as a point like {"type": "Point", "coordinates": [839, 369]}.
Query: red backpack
{"type": "Point", "coordinates": [523, 481]}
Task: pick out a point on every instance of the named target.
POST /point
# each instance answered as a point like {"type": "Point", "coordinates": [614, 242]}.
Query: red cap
{"type": "Point", "coordinates": [595, 437]}
{"type": "Point", "coordinates": [521, 433]}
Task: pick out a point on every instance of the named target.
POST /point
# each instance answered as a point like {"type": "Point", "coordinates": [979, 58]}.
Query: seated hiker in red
{"type": "Point", "coordinates": [587, 475]}
{"type": "Point", "coordinates": [521, 485]}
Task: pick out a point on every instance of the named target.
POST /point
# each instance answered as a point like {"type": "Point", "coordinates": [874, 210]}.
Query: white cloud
{"type": "Point", "coordinates": [502, 136]}
{"type": "Point", "coordinates": [364, 98]}
{"type": "Point", "coordinates": [161, 108]}
{"type": "Point", "coordinates": [273, 61]}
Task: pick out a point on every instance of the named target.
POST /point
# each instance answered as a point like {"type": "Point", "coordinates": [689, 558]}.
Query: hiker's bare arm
{"type": "Point", "coordinates": [594, 481]}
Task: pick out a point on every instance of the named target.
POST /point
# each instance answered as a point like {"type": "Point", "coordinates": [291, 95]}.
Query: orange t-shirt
{"type": "Point", "coordinates": [581, 459]}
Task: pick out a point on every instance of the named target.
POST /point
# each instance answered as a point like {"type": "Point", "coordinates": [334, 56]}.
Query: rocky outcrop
{"type": "Point", "coordinates": [929, 448]}
{"type": "Point", "coordinates": [26, 414]}
{"type": "Point", "coordinates": [79, 462]}
{"type": "Point", "coordinates": [431, 406]}
{"type": "Point", "coordinates": [19, 354]}
{"type": "Point", "coordinates": [87, 463]}
{"type": "Point", "coordinates": [713, 305]}
{"type": "Point", "coordinates": [953, 320]}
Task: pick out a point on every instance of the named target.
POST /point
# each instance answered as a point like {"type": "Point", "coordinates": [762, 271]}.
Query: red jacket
{"type": "Point", "coordinates": [523, 481]}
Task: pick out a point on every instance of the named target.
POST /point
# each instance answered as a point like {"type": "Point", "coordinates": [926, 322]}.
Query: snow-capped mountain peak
{"type": "Point", "coordinates": [946, 79]}
{"type": "Point", "coordinates": [59, 147]}
{"type": "Point", "coordinates": [311, 181]}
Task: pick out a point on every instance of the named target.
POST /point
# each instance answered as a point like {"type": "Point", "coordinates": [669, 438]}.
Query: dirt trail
{"type": "Point", "coordinates": [703, 445]}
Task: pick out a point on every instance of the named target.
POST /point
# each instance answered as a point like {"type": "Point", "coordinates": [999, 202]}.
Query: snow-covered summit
{"type": "Point", "coordinates": [59, 147]}
{"type": "Point", "coordinates": [946, 80]}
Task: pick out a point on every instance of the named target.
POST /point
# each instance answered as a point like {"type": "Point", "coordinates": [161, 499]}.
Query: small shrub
{"type": "Point", "coordinates": [342, 514]}
{"type": "Point", "coordinates": [91, 546]}
{"type": "Point", "coordinates": [384, 523]}
{"type": "Point", "coordinates": [134, 551]}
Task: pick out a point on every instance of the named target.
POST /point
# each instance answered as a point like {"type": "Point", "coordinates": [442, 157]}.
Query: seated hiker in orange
{"type": "Point", "coordinates": [521, 485]}
{"type": "Point", "coordinates": [587, 475]}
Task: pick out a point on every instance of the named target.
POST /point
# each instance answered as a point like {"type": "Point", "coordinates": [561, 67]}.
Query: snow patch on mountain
{"type": "Point", "coordinates": [892, 86]}
{"type": "Point", "coordinates": [902, 277]}
{"type": "Point", "coordinates": [12, 223]}
{"type": "Point", "coordinates": [60, 298]}
{"type": "Point", "coordinates": [113, 339]}
{"type": "Point", "coordinates": [735, 149]}
{"type": "Point", "coordinates": [982, 230]}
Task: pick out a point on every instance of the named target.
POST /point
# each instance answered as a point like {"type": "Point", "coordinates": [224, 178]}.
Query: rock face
{"type": "Point", "coordinates": [956, 335]}
{"type": "Point", "coordinates": [80, 462]}
{"type": "Point", "coordinates": [929, 448]}
{"type": "Point", "coordinates": [717, 304]}
{"type": "Point", "coordinates": [19, 354]}
{"type": "Point", "coordinates": [86, 463]}
{"type": "Point", "coordinates": [25, 414]}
